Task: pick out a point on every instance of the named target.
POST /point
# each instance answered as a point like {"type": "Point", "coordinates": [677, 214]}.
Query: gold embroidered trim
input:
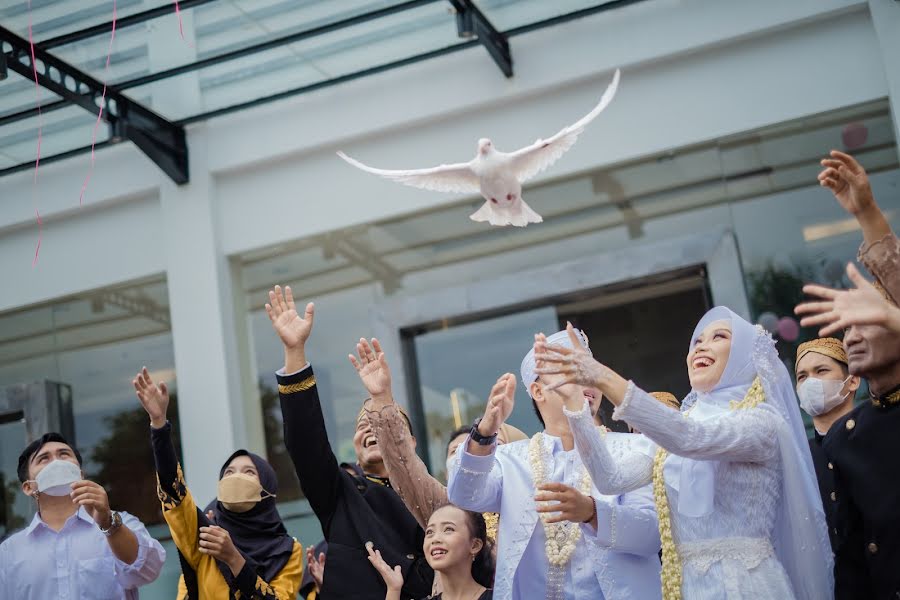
{"type": "Point", "coordinates": [492, 522]}
{"type": "Point", "coordinates": [755, 396]}
{"type": "Point", "coordinates": [293, 388]}
{"type": "Point", "coordinates": [168, 501]}
{"type": "Point", "coordinates": [888, 400]}
{"type": "Point", "coordinates": [670, 575]}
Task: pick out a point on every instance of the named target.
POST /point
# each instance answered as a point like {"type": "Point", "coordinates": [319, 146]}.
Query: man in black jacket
{"type": "Point", "coordinates": [352, 509]}
{"type": "Point", "coordinates": [863, 447]}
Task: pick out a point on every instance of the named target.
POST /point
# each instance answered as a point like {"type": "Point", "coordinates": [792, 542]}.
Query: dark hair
{"type": "Point", "coordinates": [35, 447]}
{"type": "Point", "coordinates": [483, 565]}
{"type": "Point", "coordinates": [537, 411]}
{"type": "Point", "coordinates": [456, 433]}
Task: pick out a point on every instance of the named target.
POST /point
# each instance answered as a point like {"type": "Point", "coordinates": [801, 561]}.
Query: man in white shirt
{"type": "Point", "coordinates": [611, 555]}
{"type": "Point", "coordinates": [76, 547]}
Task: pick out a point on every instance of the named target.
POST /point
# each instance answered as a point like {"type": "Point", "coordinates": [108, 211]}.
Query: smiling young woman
{"type": "Point", "coordinates": [456, 546]}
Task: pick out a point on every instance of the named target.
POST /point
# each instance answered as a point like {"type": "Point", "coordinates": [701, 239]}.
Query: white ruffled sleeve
{"type": "Point", "coordinates": [746, 435]}
{"type": "Point", "coordinates": [627, 471]}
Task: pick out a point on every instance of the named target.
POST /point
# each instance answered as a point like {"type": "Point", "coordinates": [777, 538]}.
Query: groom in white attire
{"type": "Point", "coordinates": [608, 551]}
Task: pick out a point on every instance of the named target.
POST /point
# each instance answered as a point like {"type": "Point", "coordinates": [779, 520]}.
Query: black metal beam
{"type": "Point", "coordinates": [161, 140]}
{"type": "Point", "coordinates": [135, 19]}
{"type": "Point", "coordinates": [273, 43]}
{"type": "Point", "coordinates": [471, 21]}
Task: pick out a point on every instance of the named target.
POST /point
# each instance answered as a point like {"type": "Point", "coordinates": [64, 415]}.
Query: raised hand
{"type": "Point", "coordinates": [154, 398]}
{"type": "Point", "coordinates": [92, 496]}
{"type": "Point", "coordinates": [574, 365]}
{"type": "Point", "coordinates": [500, 405]}
{"type": "Point", "coordinates": [293, 329]}
{"type": "Point", "coordinates": [372, 368]}
{"type": "Point", "coordinates": [316, 566]}
{"type": "Point", "coordinates": [558, 502]}
{"type": "Point", "coordinates": [848, 181]}
{"type": "Point", "coordinates": [393, 578]}
{"type": "Point", "coordinates": [839, 309]}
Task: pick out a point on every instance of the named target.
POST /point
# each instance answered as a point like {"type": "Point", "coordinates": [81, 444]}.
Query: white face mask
{"type": "Point", "coordinates": [818, 396]}
{"type": "Point", "coordinates": [56, 479]}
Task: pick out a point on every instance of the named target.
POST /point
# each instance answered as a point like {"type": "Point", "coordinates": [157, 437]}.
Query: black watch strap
{"type": "Point", "coordinates": [480, 439]}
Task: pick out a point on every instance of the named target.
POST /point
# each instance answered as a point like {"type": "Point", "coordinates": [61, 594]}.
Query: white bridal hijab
{"type": "Point", "coordinates": [801, 533]}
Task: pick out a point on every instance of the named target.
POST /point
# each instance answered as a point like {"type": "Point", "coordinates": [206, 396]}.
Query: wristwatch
{"type": "Point", "coordinates": [115, 521]}
{"type": "Point", "coordinates": [480, 439]}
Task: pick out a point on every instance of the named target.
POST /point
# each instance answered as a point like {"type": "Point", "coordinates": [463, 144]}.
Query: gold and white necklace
{"type": "Point", "coordinates": [561, 537]}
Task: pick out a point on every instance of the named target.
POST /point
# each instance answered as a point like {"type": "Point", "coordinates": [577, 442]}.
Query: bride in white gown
{"type": "Point", "coordinates": [739, 510]}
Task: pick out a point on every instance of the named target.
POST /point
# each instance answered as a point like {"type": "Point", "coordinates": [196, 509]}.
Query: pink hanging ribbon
{"type": "Point", "coordinates": [37, 160]}
{"type": "Point", "coordinates": [181, 24]}
{"type": "Point", "coordinates": [112, 38]}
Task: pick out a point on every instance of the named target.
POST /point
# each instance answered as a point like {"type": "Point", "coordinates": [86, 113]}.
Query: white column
{"type": "Point", "coordinates": [215, 418]}
{"type": "Point", "coordinates": [886, 19]}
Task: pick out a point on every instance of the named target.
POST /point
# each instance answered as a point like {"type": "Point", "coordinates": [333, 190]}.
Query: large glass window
{"type": "Point", "coordinates": [94, 343]}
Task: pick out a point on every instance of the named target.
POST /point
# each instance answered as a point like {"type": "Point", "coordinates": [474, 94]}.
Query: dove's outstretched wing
{"type": "Point", "coordinates": [456, 178]}
{"type": "Point", "coordinates": [531, 160]}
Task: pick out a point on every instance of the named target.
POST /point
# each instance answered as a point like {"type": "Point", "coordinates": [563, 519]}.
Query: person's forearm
{"type": "Point", "coordinates": [613, 386]}
{"type": "Point", "coordinates": [392, 595]}
{"type": "Point", "coordinates": [294, 359]}
{"type": "Point", "coordinates": [124, 545]}
{"type": "Point", "coordinates": [236, 564]}
{"type": "Point", "coordinates": [380, 401]}
{"type": "Point", "coordinates": [874, 224]}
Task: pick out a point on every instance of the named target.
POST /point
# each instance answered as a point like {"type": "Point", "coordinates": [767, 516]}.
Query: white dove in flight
{"type": "Point", "coordinates": [497, 176]}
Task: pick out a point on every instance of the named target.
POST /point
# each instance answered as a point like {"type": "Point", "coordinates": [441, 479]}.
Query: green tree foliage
{"type": "Point", "coordinates": [125, 456]}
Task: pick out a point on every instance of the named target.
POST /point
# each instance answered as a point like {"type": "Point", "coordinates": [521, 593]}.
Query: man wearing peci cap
{"type": "Point", "coordinates": [826, 390]}
{"type": "Point", "coordinates": [558, 538]}
{"type": "Point", "coordinates": [76, 546]}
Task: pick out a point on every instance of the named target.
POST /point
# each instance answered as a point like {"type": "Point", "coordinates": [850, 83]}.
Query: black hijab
{"type": "Point", "coordinates": [259, 533]}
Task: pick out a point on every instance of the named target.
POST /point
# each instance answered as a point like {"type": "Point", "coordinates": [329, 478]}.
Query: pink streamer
{"type": "Point", "coordinates": [112, 38]}
{"type": "Point", "coordinates": [37, 160]}
{"type": "Point", "coordinates": [181, 24]}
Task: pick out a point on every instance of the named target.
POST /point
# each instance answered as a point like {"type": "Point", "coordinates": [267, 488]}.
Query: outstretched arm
{"type": "Point", "coordinates": [421, 493]}
{"type": "Point", "coordinates": [836, 310]}
{"type": "Point", "coordinates": [628, 470]}
{"type": "Point", "coordinates": [849, 183]}
{"type": "Point", "coordinates": [475, 480]}
{"type": "Point", "coordinates": [304, 424]}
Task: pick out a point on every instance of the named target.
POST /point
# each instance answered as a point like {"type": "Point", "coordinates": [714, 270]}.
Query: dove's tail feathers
{"type": "Point", "coordinates": [483, 214]}
{"type": "Point", "coordinates": [529, 215]}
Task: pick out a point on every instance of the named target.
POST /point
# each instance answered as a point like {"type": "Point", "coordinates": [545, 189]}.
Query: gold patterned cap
{"type": "Point", "coordinates": [830, 347]}
{"type": "Point", "coordinates": [667, 399]}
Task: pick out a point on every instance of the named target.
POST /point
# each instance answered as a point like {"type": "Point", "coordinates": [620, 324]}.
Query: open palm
{"type": "Point", "coordinates": [154, 398]}
{"type": "Point", "coordinates": [848, 181]}
{"type": "Point", "coordinates": [372, 367]}
{"type": "Point", "coordinates": [293, 329]}
{"type": "Point", "coordinates": [839, 309]}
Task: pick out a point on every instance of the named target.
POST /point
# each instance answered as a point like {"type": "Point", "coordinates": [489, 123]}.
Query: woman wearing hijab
{"type": "Point", "coordinates": [739, 510]}
{"type": "Point", "coordinates": [236, 548]}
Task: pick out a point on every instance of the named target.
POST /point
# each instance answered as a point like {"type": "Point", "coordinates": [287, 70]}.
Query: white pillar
{"type": "Point", "coordinates": [216, 415]}
{"type": "Point", "coordinates": [886, 19]}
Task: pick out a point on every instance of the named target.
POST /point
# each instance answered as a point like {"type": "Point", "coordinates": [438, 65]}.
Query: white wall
{"type": "Point", "coordinates": [692, 70]}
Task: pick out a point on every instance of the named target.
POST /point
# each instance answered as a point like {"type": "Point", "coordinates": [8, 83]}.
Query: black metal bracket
{"type": "Point", "coordinates": [470, 21]}
{"type": "Point", "coordinates": [162, 141]}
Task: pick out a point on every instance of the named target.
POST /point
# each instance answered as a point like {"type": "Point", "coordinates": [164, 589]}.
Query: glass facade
{"type": "Point", "coordinates": [94, 344]}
